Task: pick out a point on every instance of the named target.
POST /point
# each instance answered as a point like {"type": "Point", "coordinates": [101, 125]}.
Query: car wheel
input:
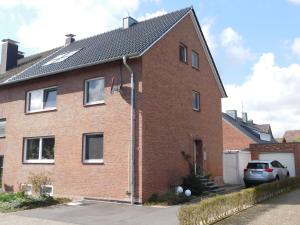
{"type": "Point", "coordinates": [277, 178]}
{"type": "Point", "coordinates": [288, 174]}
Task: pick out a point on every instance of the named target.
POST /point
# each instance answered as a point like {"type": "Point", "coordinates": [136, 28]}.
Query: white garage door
{"type": "Point", "coordinates": [286, 159]}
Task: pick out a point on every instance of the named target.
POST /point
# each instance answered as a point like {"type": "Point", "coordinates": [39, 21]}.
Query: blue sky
{"type": "Point", "coordinates": [255, 43]}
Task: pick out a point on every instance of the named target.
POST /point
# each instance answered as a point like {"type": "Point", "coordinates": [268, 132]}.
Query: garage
{"type": "Point", "coordinates": [286, 159]}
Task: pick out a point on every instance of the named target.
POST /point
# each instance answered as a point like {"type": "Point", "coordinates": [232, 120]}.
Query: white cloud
{"type": "Point", "coordinates": [232, 42]}
{"type": "Point", "coordinates": [151, 15]}
{"type": "Point", "coordinates": [270, 95]}
{"type": "Point", "coordinates": [296, 46]}
{"type": "Point", "coordinates": [53, 19]}
{"type": "Point", "coordinates": [209, 37]}
{"type": "Point", "coordinates": [297, 2]}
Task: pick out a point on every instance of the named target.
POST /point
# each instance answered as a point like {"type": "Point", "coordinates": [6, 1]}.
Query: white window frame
{"type": "Point", "coordinates": [86, 92]}
{"type": "Point", "coordinates": [48, 186]}
{"type": "Point", "coordinates": [39, 160]}
{"type": "Point", "coordinates": [197, 56]}
{"type": "Point", "coordinates": [4, 122]}
{"type": "Point", "coordinates": [43, 102]}
{"type": "Point", "coordinates": [62, 57]}
{"type": "Point", "coordinates": [84, 149]}
{"type": "Point", "coordinates": [198, 96]}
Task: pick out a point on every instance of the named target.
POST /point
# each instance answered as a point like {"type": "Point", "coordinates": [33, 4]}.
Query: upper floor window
{"type": "Point", "coordinates": [196, 101]}
{"type": "Point", "coordinates": [41, 100]}
{"type": "Point", "coordinates": [2, 127]}
{"type": "Point", "coordinates": [183, 53]}
{"type": "Point", "coordinates": [39, 150]}
{"type": "Point", "coordinates": [94, 91]}
{"type": "Point", "coordinates": [93, 148]}
{"type": "Point", "coordinates": [195, 60]}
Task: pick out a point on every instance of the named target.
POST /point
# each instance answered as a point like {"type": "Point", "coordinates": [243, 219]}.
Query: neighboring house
{"type": "Point", "coordinates": [71, 112]}
{"type": "Point", "coordinates": [291, 136]}
{"type": "Point", "coordinates": [238, 134]}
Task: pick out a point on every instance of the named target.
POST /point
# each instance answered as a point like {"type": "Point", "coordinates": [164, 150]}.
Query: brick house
{"type": "Point", "coordinates": [239, 132]}
{"type": "Point", "coordinates": [71, 112]}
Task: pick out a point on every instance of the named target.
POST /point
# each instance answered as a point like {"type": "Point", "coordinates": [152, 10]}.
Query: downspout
{"type": "Point", "coordinates": [132, 127]}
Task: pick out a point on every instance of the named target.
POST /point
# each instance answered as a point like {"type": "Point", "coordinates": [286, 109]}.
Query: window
{"type": "Point", "coordinates": [46, 190]}
{"type": "Point", "coordinates": [94, 91]}
{"type": "Point", "coordinates": [196, 101]}
{"type": "Point", "coordinates": [93, 148]}
{"type": "Point", "coordinates": [183, 53]}
{"type": "Point", "coordinates": [2, 127]}
{"type": "Point", "coordinates": [61, 57]}
{"type": "Point", "coordinates": [195, 60]}
{"type": "Point", "coordinates": [39, 150]}
{"type": "Point", "coordinates": [41, 100]}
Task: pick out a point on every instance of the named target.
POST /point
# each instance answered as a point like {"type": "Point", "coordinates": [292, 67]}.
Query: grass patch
{"type": "Point", "coordinates": [10, 202]}
{"type": "Point", "coordinates": [216, 208]}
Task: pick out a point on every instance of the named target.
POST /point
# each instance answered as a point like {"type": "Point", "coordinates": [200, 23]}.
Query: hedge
{"type": "Point", "coordinates": [213, 209]}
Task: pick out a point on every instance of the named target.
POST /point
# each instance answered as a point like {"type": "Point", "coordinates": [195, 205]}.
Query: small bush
{"type": "Point", "coordinates": [193, 183]}
{"type": "Point", "coordinates": [213, 209]}
{"type": "Point", "coordinates": [169, 198]}
{"type": "Point", "coordinates": [37, 181]}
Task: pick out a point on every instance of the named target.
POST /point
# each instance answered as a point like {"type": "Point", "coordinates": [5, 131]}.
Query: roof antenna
{"type": "Point", "coordinates": [242, 106]}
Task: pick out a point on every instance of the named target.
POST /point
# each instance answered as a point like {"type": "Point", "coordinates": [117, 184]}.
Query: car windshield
{"type": "Point", "coordinates": [257, 166]}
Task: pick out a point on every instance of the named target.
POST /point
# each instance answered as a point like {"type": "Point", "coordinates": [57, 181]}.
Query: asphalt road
{"type": "Point", "coordinates": [282, 210]}
{"type": "Point", "coordinates": [94, 213]}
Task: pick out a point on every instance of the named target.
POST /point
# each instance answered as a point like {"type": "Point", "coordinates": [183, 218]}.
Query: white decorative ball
{"type": "Point", "coordinates": [179, 190]}
{"type": "Point", "coordinates": [188, 193]}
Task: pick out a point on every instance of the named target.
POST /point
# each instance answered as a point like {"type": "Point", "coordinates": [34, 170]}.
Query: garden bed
{"type": "Point", "coordinates": [11, 202]}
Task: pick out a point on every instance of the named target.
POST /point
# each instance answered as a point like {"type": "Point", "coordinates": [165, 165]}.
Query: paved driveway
{"type": "Point", "coordinates": [94, 213]}
{"type": "Point", "coordinates": [284, 209]}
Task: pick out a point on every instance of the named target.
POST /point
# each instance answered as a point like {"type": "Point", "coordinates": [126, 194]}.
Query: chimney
{"type": "Point", "coordinates": [250, 121]}
{"type": "Point", "coordinates": [245, 117]}
{"type": "Point", "coordinates": [232, 113]}
{"type": "Point", "coordinates": [128, 22]}
{"type": "Point", "coordinates": [70, 39]}
{"type": "Point", "coordinates": [9, 55]}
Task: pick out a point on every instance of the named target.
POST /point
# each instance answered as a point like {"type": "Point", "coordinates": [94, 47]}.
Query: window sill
{"type": "Point", "coordinates": [91, 162]}
{"type": "Point", "coordinates": [41, 111]}
{"type": "Point", "coordinates": [94, 103]}
{"type": "Point", "coordinates": [195, 68]}
{"type": "Point", "coordinates": [38, 162]}
{"type": "Point", "coordinates": [196, 110]}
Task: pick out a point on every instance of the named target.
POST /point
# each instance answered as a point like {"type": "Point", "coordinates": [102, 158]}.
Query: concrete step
{"type": "Point", "coordinates": [209, 183]}
{"type": "Point", "coordinates": [218, 191]}
{"type": "Point", "coordinates": [212, 187]}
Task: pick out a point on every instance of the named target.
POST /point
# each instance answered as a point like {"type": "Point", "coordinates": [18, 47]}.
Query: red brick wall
{"type": "Point", "coordinates": [233, 139]}
{"type": "Point", "coordinates": [68, 123]}
{"type": "Point", "coordinates": [169, 123]}
{"type": "Point", "coordinates": [278, 147]}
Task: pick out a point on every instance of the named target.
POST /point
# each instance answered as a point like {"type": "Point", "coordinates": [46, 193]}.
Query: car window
{"type": "Point", "coordinates": [274, 164]}
{"type": "Point", "coordinates": [257, 166]}
{"type": "Point", "coordinates": [280, 165]}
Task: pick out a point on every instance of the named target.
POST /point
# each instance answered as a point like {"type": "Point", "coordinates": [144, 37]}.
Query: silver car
{"type": "Point", "coordinates": [263, 171]}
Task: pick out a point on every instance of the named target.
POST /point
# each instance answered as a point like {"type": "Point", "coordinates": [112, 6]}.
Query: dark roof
{"type": "Point", "coordinates": [25, 63]}
{"type": "Point", "coordinates": [292, 136]}
{"type": "Point", "coordinates": [113, 45]}
{"type": "Point", "coordinates": [106, 47]}
{"type": "Point", "coordinates": [250, 129]}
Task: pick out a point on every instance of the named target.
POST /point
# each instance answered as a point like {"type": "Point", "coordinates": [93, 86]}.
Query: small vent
{"type": "Point", "coordinates": [26, 188]}
{"type": "Point", "coordinates": [47, 190]}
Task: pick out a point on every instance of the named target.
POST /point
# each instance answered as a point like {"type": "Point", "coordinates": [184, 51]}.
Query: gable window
{"type": "Point", "coordinates": [94, 91]}
{"type": "Point", "coordinates": [39, 150]}
{"type": "Point", "coordinates": [196, 101]}
{"type": "Point", "coordinates": [41, 100]}
{"type": "Point", "coordinates": [195, 60]}
{"type": "Point", "coordinates": [93, 148]}
{"type": "Point", "coordinates": [183, 53]}
{"type": "Point", "coordinates": [2, 127]}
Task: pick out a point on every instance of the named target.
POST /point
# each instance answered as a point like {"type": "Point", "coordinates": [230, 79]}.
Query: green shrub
{"type": "Point", "coordinates": [213, 209]}
{"type": "Point", "coordinates": [169, 198]}
{"type": "Point", "coordinates": [193, 183]}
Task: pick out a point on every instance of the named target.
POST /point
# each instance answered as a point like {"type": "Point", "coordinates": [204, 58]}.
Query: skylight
{"type": "Point", "coordinates": [61, 57]}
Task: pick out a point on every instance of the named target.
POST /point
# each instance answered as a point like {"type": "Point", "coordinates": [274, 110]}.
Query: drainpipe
{"type": "Point", "coordinates": [132, 143]}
